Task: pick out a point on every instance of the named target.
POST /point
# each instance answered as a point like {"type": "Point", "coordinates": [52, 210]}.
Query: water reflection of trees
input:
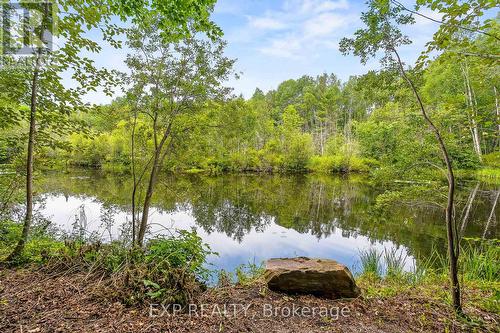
{"type": "Point", "coordinates": [237, 204]}
{"type": "Point", "coordinates": [320, 205]}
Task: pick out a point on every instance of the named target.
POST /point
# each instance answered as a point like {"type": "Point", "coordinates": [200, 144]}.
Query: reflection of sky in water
{"type": "Point", "coordinates": [274, 241]}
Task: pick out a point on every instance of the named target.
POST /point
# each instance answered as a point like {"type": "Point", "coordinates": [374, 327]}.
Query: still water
{"type": "Point", "coordinates": [251, 218]}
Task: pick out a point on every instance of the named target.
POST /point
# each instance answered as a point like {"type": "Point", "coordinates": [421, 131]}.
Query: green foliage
{"type": "Point", "coordinates": [339, 164]}
{"type": "Point", "coordinates": [250, 273]}
{"type": "Point", "coordinates": [186, 250]}
{"type": "Point", "coordinates": [492, 160]}
{"type": "Point", "coordinates": [394, 263]}
{"type": "Point", "coordinates": [479, 262]}
{"type": "Point", "coordinates": [371, 262]}
{"type": "Point", "coordinates": [489, 175]}
{"type": "Point", "coordinates": [9, 234]}
{"type": "Point", "coordinates": [298, 149]}
{"type": "Point", "coordinates": [169, 269]}
{"type": "Point", "coordinates": [40, 248]}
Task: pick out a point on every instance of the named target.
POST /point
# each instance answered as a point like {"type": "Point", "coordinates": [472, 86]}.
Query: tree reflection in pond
{"type": "Point", "coordinates": [247, 217]}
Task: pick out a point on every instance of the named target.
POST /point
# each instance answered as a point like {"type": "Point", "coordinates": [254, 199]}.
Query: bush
{"type": "Point", "coordinates": [328, 164]}
{"type": "Point", "coordinates": [492, 160]}
{"type": "Point", "coordinates": [170, 269]}
{"type": "Point", "coordinates": [489, 175]}
{"type": "Point", "coordinates": [298, 152]}
{"type": "Point", "coordinates": [248, 160]}
{"type": "Point", "coordinates": [184, 251]}
{"type": "Point", "coordinates": [338, 163]}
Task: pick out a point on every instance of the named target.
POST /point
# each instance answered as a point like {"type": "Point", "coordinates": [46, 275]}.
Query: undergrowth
{"type": "Point", "coordinates": [168, 270]}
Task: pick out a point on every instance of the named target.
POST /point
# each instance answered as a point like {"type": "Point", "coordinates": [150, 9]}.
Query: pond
{"type": "Point", "coordinates": [250, 218]}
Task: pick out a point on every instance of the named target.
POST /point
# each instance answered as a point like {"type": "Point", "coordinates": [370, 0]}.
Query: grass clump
{"type": "Point", "coordinates": [479, 260]}
{"type": "Point", "coordinates": [395, 263]}
{"type": "Point", "coordinates": [244, 275]}
{"type": "Point", "coordinates": [249, 274]}
{"type": "Point", "coordinates": [371, 262]}
{"type": "Point", "coordinates": [385, 273]}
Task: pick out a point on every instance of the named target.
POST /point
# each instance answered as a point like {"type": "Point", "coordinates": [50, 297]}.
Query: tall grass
{"type": "Point", "coordinates": [389, 263]}
{"type": "Point", "coordinates": [479, 261]}
{"type": "Point", "coordinates": [394, 262]}
{"type": "Point", "coordinates": [370, 262]}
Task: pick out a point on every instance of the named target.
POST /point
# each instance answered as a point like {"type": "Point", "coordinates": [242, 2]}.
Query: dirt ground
{"type": "Point", "coordinates": [37, 301]}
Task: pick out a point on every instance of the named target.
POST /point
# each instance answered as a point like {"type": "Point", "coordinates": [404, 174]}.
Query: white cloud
{"type": "Point", "coordinates": [323, 24]}
{"type": "Point", "coordinates": [332, 5]}
{"type": "Point", "coordinates": [314, 6]}
{"type": "Point", "coordinates": [265, 23]}
{"type": "Point", "coordinates": [229, 7]}
{"type": "Point", "coordinates": [286, 47]}
{"type": "Point", "coordinates": [422, 21]}
{"type": "Point", "coordinates": [300, 27]}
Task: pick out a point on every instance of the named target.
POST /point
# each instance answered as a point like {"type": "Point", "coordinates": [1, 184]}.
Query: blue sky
{"type": "Point", "coordinates": [276, 40]}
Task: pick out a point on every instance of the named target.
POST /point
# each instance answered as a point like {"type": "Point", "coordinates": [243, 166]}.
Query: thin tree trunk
{"type": "Point", "coordinates": [321, 139]}
{"type": "Point", "coordinates": [147, 199]}
{"type": "Point", "coordinates": [159, 157]}
{"type": "Point", "coordinates": [490, 218]}
{"type": "Point", "coordinates": [31, 146]}
{"type": "Point", "coordinates": [468, 206]}
{"type": "Point", "coordinates": [134, 178]}
{"type": "Point", "coordinates": [476, 139]}
{"type": "Point", "coordinates": [453, 251]}
{"type": "Point", "coordinates": [497, 109]}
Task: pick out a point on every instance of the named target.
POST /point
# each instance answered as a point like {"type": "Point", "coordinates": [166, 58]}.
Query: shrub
{"type": "Point", "coordinates": [170, 269]}
{"type": "Point", "coordinates": [328, 164]}
{"type": "Point", "coordinates": [184, 251]}
{"type": "Point", "coordinates": [298, 150]}
{"type": "Point", "coordinates": [338, 163]}
{"type": "Point", "coordinates": [492, 160]}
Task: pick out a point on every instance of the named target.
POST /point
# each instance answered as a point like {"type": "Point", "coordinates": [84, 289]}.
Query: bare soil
{"type": "Point", "coordinates": [33, 300]}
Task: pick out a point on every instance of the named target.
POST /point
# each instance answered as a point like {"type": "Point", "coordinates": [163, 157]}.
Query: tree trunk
{"type": "Point", "coordinates": [159, 157]}
{"type": "Point", "coordinates": [492, 213]}
{"type": "Point", "coordinates": [134, 178]}
{"type": "Point", "coordinates": [31, 145]}
{"type": "Point", "coordinates": [321, 139]}
{"type": "Point", "coordinates": [497, 109]}
{"type": "Point", "coordinates": [476, 139]}
{"type": "Point", "coordinates": [468, 207]}
{"type": "Point", "coordinates": [147, 199]}
{"type": "Point", "coordinates": [453, 249]}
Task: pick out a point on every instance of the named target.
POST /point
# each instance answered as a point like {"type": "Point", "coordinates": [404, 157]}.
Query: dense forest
{"type": "Point", "coordinates": [369, 123]}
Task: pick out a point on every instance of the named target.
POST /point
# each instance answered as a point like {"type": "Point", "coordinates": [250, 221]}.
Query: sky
{"type": "Point", "coordinates": [277, 40]}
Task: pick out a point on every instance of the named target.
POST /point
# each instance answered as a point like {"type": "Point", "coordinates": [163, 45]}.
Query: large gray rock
{"type": "Point", "coordinates": [320, 277]}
